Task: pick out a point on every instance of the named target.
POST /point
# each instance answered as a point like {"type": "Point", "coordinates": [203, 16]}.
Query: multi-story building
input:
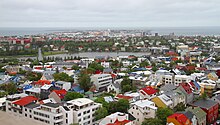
{"type": "Point", "coordinates": [63, 85]}
{"type": "Point", "coordinates": [148, 92]}
{"type": "Point", "coordinates": [83, 110]}
{"type": "Point", "coordinates": [142, 109]}
{"type": "Point", "coordinates": [181, 79]}
{"type": "Point", "coordinates": [101, 81]}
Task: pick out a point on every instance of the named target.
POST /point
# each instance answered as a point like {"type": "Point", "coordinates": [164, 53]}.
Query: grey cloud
{"type": "Point", "coordinates": [144, 13]}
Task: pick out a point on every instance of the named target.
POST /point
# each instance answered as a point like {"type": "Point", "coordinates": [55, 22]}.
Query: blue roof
{"type": "Point", "coordinates": [196, 84]}
{"type": "Point", "coordinates": [27, 87]}
{"type": "Point", "coordinates": [140, 69]}
{"type": "Point", "coordinates": [78, 89]}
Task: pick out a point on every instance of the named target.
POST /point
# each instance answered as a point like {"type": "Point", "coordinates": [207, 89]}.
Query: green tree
{"type": "Point", "coordinates": [72, 95]}
{"type": "Point", "coordinates": [96, 66]}
{"type": "Point", "coordinates": [9, 88]}
{"type": "Point", "coordinates": [62, 77]}
{"type": "Point", "coordinates": [120, 106]}
{"type": "Point", "coordinates": [163, 113]}
{"type": "Point", "coordinates": [101, 113]}
{"type": "Point", "coordinates": [152, 121]}
{"type": "Point", "coordinates": [85, 81]}
{"type": "Point", "coordinates": [103, 102]}
{"type": "Point", "coordinates": [144, 64]}
{"type": "Point", "coordinates": [179, 107]}
{"type": "Point", "coordinates": [31, 76]}
{"type": "Point", "coordinates": [75, 67]}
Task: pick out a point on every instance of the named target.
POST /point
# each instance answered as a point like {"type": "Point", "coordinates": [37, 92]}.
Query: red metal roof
{"type": "Point", "coordinates": [120, 96]}
{"type": "Point", "coordinates": [43, 82]}
{"type": "Point", "coordinates": [26, 100]}
{"type": "Point", "coordinates": [181, 118]}
{"type": "Point", "coordinates": [149, 90]}
{"type": "Point", "coordinates": [120, 122]}
{"type": "Point", "coordinates": [186, 87]}
{"type": "Point", "coordinates": [61, 93]}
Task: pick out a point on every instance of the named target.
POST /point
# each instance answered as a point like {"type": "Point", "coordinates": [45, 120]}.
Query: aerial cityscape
{"type": "Point", "coordinates": [109, 62]}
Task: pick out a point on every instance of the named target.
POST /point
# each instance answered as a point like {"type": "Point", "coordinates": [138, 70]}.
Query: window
{"type": "Point", "coordinates": [66, 115]}
{"type": "Point", "coordinates": [25, 109]}
{"type": "Point", "coordinates": [29, 110]}
{"type": "Point", "coordinates": [79, 114]}
{"type": "Point", "coordinates": [84, 112]}
{"type": "Point", "coordinates": [88, 111]}
{"type": "Point", "coordinates": [66, 121]}
{"type": "Point", "coordinates": [30, 116]}
{"type": "Point", "coordinates": [25, 115]}
{"type": "Point", "coordinates": [79, 120]}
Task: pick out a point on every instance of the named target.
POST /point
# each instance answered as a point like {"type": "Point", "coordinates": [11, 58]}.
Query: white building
{"type": "Point", "coordinates": [105, 64]}
{"type": "Point", "coordinates": [83, 110]}
{"type": "Point", "coordinates": [181, 79]}
{"type": "Point", "coordinates": [101, 81]}
{"type": "Point", "coordinates": [142, 109]}
{"type": "Point", "coordinates": [63, 85]}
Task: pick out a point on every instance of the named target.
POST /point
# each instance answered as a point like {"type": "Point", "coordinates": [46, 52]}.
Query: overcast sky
{"type": "Point", "coordinates": [109, 13]}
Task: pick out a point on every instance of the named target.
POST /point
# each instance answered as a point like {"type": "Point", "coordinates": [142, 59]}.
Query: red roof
{"type": "Point", "coordinates": [120, 96]}
{"type": "Point", "coordinates": [181, 118]}
{"type": "Point", "coordinates": [174, 59]}
{"type": "Point", "coordinates": [201, 68]}
{"type": "Point", "coordinates": [149, 90]}
{"type": "Point", "coordinates": [120, 122]}
{"type": "Point", "coordinates": [113, 75]}
{"type": "Point", "coordinates": [43, 82]}
{"type": "Point", "coordinates": [171, 53]}
{"type": "Point", "coordinates": [61, 93]}
{"type": "Point", "coordinates": [26, 100]}
{"type": "Point", "coordinates": [186, 87]}
{"type": "Point", "coordinates": [190, 67]}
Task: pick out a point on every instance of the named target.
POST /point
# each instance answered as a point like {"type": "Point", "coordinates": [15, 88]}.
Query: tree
{"type": "Point", "coordinates": [96, 66]}
{"type": "Point", "coordinates": [101, 113]}
{"type": "Point", "coordinates": [103, 102]}
{"type": "Point", "coordinates": [120, 106]}
{"type": "Point", "coordinates": [126, 85]}
{"type": "Point", "coordinates": [154, 69]}
{"type": "Point", "coordinates": [163, 113]}
{"type": "Point", "coordinates": [179, 107]}
{"type": "Point", "coordinates": [62, 77]}
{"type": "Point", "coordinates": [31, 76]}
{"type": "Point", "coordinates": [152, 121]}
{"type": "Point", "coordinates": [75, 67]}
{"type": "Point", "coordinates": [144, 64]}
{"type": "Point", "coordinates": [72, 95]}
{"type": "Point", "coordinates": [85, 81]}
{"type": "Point", "coordinates": [9, 88]}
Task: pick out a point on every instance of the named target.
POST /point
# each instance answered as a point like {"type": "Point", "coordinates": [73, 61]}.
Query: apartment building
{"type": "Point", "coordinates": [83, 110]}
{"type": "Point", "coordinates": [63, 85]}
{"type": "Point", "coordinates": [142, 110]}
{"type": "Point", "coordinates": [167, 79]}
{"type": "Point", "coordinates": [181, 79]}
{"type": "Point", "coordinates": [101, 81]}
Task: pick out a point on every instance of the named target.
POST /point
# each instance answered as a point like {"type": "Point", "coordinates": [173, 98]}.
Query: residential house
{"type": "Point", "coordinates": [199, 113]}
{"type": "Point", "coordinates": [187, 91]}
{"type": "Point", "coordinates": [210, 107]}
{"type": "Point", "coordinates": [115, 86]}
{"type": "Point", "coordinates": [118, 118]}
{"type": "Point", "coordinates": [148, 92]}
{"type": "Point", "coordinates": [178, 119]}
{"type": "Point", "coordinates": [163, 101]}
{"type": "Point", "coordinates": [142, 110]}
{"type": "Point", "coordinates": [63, 85]}
{"type": "Point", "coordinates": [58, 95]}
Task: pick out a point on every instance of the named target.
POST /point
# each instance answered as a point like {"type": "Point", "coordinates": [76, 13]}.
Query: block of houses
{"type": "Point", "coordinates": [210, 107]}
{"type": "Point", "coordinates": [212, 76]}
{"type": "Point", "coordinates": [187, 91]}
{"type": "Point", "coordinates": [48, 75]}
{"type": "Point", "coordinates": [142, 110]}
{"type": "Point", "coordinates": [163, 101]}
{"type": "Point", "coordinates": [199, 113]}
{"type": "Point", "coordinates": [178, 119]}
{"type": "Point", "coordinates": [118, 118]}
{"type": "Point", "coordinates": [176, 97]}
{"type": "Point", "coordinates": [148, 92]}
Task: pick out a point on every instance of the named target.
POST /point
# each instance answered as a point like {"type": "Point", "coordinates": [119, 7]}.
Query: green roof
{"type": "Point", "coordinates": [198, 112]}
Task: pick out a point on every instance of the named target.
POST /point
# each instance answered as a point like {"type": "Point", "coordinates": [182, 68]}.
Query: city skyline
{"type": "Point", "coordinates": [103, 13]}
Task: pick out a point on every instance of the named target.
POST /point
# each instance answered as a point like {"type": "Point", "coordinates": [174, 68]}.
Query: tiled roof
{"type": "Point", "coordinates": [42, 82]}
{"type": "Point", "coordinates": [149, 90]}
{"type": "Point", "coordinates": [25, 100]}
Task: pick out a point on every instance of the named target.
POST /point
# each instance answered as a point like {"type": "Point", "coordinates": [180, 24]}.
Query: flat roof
{"type": "Point", "coordinates": [80, 101]}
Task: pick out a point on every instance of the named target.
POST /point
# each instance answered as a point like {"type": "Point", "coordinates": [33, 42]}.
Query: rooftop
{"type": "Point", "coordinates": [204, 103]}
{"type": "Point", "coordinates": [80, 101]}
